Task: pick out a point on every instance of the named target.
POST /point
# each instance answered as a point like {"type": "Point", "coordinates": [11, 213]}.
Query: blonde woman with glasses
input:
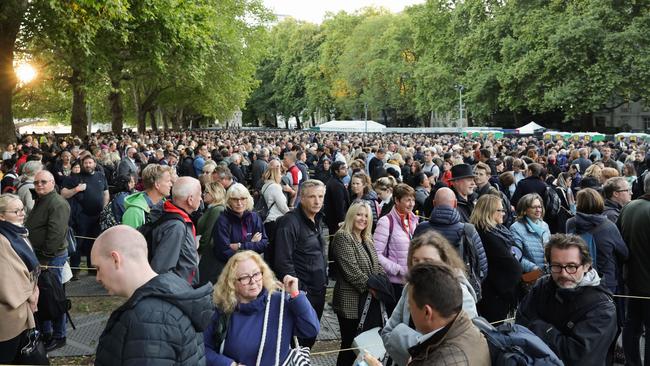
{"type": "Point", "coordinates": [499, 289]}
{"type": "Point", "coordinates": [245, 326]}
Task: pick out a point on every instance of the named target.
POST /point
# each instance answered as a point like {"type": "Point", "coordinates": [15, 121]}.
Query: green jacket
{"type": "Point", "coordinates": [48, 224]}
{"type": "Point", "coordinates": [136, 210]}
{"type": "Point", "coordinates": [205, 225]}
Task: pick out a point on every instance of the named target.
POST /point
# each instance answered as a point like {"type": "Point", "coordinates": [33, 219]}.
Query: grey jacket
{"type": "Point", "coordinates": [174, 245]}
{"type": "Point", "coordinates": [398, 337]}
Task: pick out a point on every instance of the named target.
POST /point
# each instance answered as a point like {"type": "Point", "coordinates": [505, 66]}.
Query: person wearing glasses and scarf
{"type": "Point", "coordinates": [244, 328]}
{"type": "Point", "coordinates": [19, 269]}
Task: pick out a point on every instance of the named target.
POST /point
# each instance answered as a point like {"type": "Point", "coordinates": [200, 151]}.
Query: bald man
{"type": "Point", "coordinates": [48, 224]}
{"type": "Point", "coordinates": [446, 220]}
{"type": "Point", "coordinates": [174, 234]}
{"type": "Point", "coordinates": [162, 321]}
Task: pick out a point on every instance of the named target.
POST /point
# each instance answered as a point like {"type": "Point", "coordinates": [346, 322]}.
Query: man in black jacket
{"type": "Point", "coordinates": [533, 183]}
{"type": "Point", "coordinates": [463, 185]}
{"type": "Point", "coordinates": [337, 197]}
{"type": "Point", "coordinates": [571, 310]}
{"type": "Point", "coordinates": [162, 321]}
{"type": "Point", "coordinates": [300, 247]}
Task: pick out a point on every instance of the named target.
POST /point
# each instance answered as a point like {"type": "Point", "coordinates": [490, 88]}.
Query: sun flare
{"type": "Point", "coordinates": [25, 72]}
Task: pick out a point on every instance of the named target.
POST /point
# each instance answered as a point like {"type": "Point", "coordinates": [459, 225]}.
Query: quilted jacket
{"type": "Point", "coordinates": [531, 244]}
{"type": "Point", "coordinates": [162, 323]}
{"type": "Point", "coordinates": [393, 260]}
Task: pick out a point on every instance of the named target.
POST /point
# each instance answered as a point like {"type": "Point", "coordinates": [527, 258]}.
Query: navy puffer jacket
{"type": "Point", "coordinates": [447, 221]}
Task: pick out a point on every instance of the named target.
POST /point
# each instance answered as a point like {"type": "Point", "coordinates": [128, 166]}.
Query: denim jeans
{"type": "Point", "coordinates": [59, 325]}
{"type": "Point", "coordinates": [638, 318]}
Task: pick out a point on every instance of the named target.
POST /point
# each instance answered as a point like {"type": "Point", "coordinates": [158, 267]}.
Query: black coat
{"type": "Point", "coordinates": [335, 206]}
{"type": "Point", "coordinates": [237, 173]}
{"type": "Point", "coordinates": [299, 250]}
{"type": "Point", "coordinates": [162, 323]}
{"type": "Point", "coordinates": [500, 288]}
{"type": "Point", "coordinates": [374, 163]}
{"type": "Point", "coordinates": [465, 206]}
{"type": "Point", "coordinates": [578, 324]}
{"type": "Point", "coordinates": [528, 185]}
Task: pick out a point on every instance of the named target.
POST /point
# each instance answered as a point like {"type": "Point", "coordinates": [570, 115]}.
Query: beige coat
{"type": "Point", "coordinates": [16, 287]}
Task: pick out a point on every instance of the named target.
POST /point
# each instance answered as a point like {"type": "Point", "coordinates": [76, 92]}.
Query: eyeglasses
{"type": "Point", "coordinates": [501, 210]}
{"type": "Point", "coordinates": [247, 280]}
{"type": "Point", "coordinates": [238, 199]}
{"type": "Point", "coordinates": [624, 190]}
{"type": "Point", "coordinates": [41, 182]}
{"type": "Point", "coordinates": [536, 207]}
{"type": "Point", "coordinates": [16, 212]}
{"type": "Point", "coordinates": [569, 268]}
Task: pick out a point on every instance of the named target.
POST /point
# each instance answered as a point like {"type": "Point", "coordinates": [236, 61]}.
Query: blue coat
{"type": "Point", "coordinates": [611, 249]}
{"type": "Point", "coordinates": [231, 228]}
{"type": "Point", "coordinates": [447, 221]}
{"type": "Point", "coordinates": [530, 243]}
{"type": "Point", "coordinates": [244, 334]}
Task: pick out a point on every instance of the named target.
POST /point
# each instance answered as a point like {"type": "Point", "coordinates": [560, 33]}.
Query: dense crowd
{"type": "Point", "coordinates": [224, 243]}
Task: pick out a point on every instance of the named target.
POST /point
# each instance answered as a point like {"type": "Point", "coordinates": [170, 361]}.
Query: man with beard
{"type": "Point", "coordinates": [87, 194]}
{"type": "Point", "coordinates": [571, 310]}
{"type": "Point", "coordinates": [463, 185]}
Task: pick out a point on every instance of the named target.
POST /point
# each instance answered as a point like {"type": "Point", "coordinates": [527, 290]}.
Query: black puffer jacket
{"type": "Point", "coordinates": [578, 324]}
{"type": "Point", "coordinates": [162, 323]}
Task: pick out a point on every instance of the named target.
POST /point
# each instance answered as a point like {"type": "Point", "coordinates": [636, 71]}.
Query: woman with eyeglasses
{"type": "Point", "coordinates": [19, 269]}
{"type": "Point", "coordinates": [499, 290]}
{"type": "Point", "coordinates": [245, 327]}
{"type": "Point", "coordinates": [238, 227]}
{"type": "Point", "coordinates": [530, 231]}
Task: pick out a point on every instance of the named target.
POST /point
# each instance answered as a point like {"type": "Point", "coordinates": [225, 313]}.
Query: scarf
{"type": "Point", "coordinates": [17, 236]}
{"type": "Point", "coordinates": [539, 230]}
{"type": "Point", "coordinates": [503, 233]}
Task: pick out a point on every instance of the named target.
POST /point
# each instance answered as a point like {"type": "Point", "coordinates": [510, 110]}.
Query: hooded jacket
{"type": "Point", "coordinates": [136, 208]}
{"type": "Point", "coordinates": [398, 336]}
{"type": "Point", "coordinates": [611, 249]}
{"type": "Point", "coordinates": [160, 324]}
{"type": "Point", "coordinates": [612, 210]}
{"type": "Point", "coordinates": [447, 221]}
{"type": "Point", "coordinates": [244, 335]}
{"type": "Point", "coordinates": [578, 324]}
{"type": "Point", "coordinates": [174, 244]}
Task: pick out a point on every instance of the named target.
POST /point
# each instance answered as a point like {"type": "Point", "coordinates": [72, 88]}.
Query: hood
{"type": "Point", "coordinates": [586, 222]}
{"type": "Point", "coordinates": [370, 196]}
{"type": "Point", "coordinates": [444, 215]}
{"type": "Point", "coordinates": [137, 200]}
{"type": "Point", "coordinates": [196, 304]}
{"type": "Point", "coordinates": [590, 279]}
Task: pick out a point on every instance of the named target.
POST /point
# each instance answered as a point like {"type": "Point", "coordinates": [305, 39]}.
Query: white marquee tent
{"type": "Point", "coordinates": [530, 129]}
{"type": "Point", "coordinates": [350, 126]}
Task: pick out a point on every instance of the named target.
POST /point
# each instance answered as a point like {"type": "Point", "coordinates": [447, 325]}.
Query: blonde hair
{"type": "Point", "coordinates": [225, 293]}
{"type": "Point", "coordinates": [5, 199]}
{"type": "Point", "coordinates": [217, 192]}
{"type": "Point", "coordinates": [208, 167]}
{"type": "Point", "coordinates": [273, 174]}
{"type": "Point", "coordinates": [152, 173]}
{"type": "Point", "coordinates": [239, 190]}
{"type": "Point", "coordinates": [593, 171]}
{"type": "Point", "coordinates": [348, 224]}
{"type": "Point", "coordinates": [483, 213]}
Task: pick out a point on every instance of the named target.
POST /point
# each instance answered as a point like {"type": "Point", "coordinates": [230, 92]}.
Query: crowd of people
{"type": "Point", "coordinates": [224, 243]}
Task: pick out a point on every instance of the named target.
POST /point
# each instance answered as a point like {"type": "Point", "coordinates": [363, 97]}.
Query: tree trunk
{"type": "Point", "coordinates": [152, 119]}
{"type": "Point", "coordinates": [275, 118]}
{"type": "Point", "coordinates": [79, 118]}
{"type": "Point", "coordinates": [11, 15]}
{"type": "Point", "coordinates": [142, 120]}
{"type": "Point", "coordinates": [298, 123]}
{"type": "Point", "coordinates": [176, 120]}
{"type": "Point", "coordinates": [383, 112]}
{"type": "Point", "coordinates": [165, 120]}
{"type": "Point", "coordinates": [117, 107]}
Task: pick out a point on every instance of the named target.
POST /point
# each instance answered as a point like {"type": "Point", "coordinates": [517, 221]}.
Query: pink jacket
{"type": "Point", "coordinates": [394, 261]}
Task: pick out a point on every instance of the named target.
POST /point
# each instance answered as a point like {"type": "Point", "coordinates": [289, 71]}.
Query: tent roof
{"type": "Point", "coordinates": [530, 128]}
{"type": "Point", "coordinates": [357, 126]}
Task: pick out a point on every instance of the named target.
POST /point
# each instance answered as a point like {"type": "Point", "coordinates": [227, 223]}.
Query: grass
{"type": "Point", "coordinates": [95, 304]}
{"type": "Point", "coordinates": [78, 360]}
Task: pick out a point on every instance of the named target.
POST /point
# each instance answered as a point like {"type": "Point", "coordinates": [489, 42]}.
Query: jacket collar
{"type": "Point", "coordinates": [451, 331]}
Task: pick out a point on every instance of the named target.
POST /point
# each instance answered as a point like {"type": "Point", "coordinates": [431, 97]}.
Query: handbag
{"type": "Point", "coordinates": [298, 356]}
{"type": "Point", "coordinates": [33, 351]}
{"type": "Point", "coordinates": [370, 341]}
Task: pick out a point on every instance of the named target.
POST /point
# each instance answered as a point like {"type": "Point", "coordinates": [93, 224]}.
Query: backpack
{"type": "Point", "coordinates": [469, 256]}
{"type": "Point", "coordinates": [148, 228]}
{"type": "Point", "coordinates": [588, 237]}
{"type": "Point", "coordinates": [552, 203]}
{"type": "Point", "coordinates": [52, 302]}
{"type": "Point", "coordinates": [107, 217]}
{"type": "Point", "coordinates": [515, 345]}
{"type": "Point", "coordinates": [261, 207]}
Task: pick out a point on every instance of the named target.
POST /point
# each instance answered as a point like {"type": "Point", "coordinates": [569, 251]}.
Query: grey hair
{"type": "Point", "coordinates": [309, 184]}
{"type": "Point", "coordinates": [30, 168]}
{"type": "Point", "coordinates": [646, 184]}
{"type": "Point", "coordinates": [185, 187]}
{"type": "Point", "coordinates": [613, 184]}
{"type": "Point", "coordinates": [5, 198]}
